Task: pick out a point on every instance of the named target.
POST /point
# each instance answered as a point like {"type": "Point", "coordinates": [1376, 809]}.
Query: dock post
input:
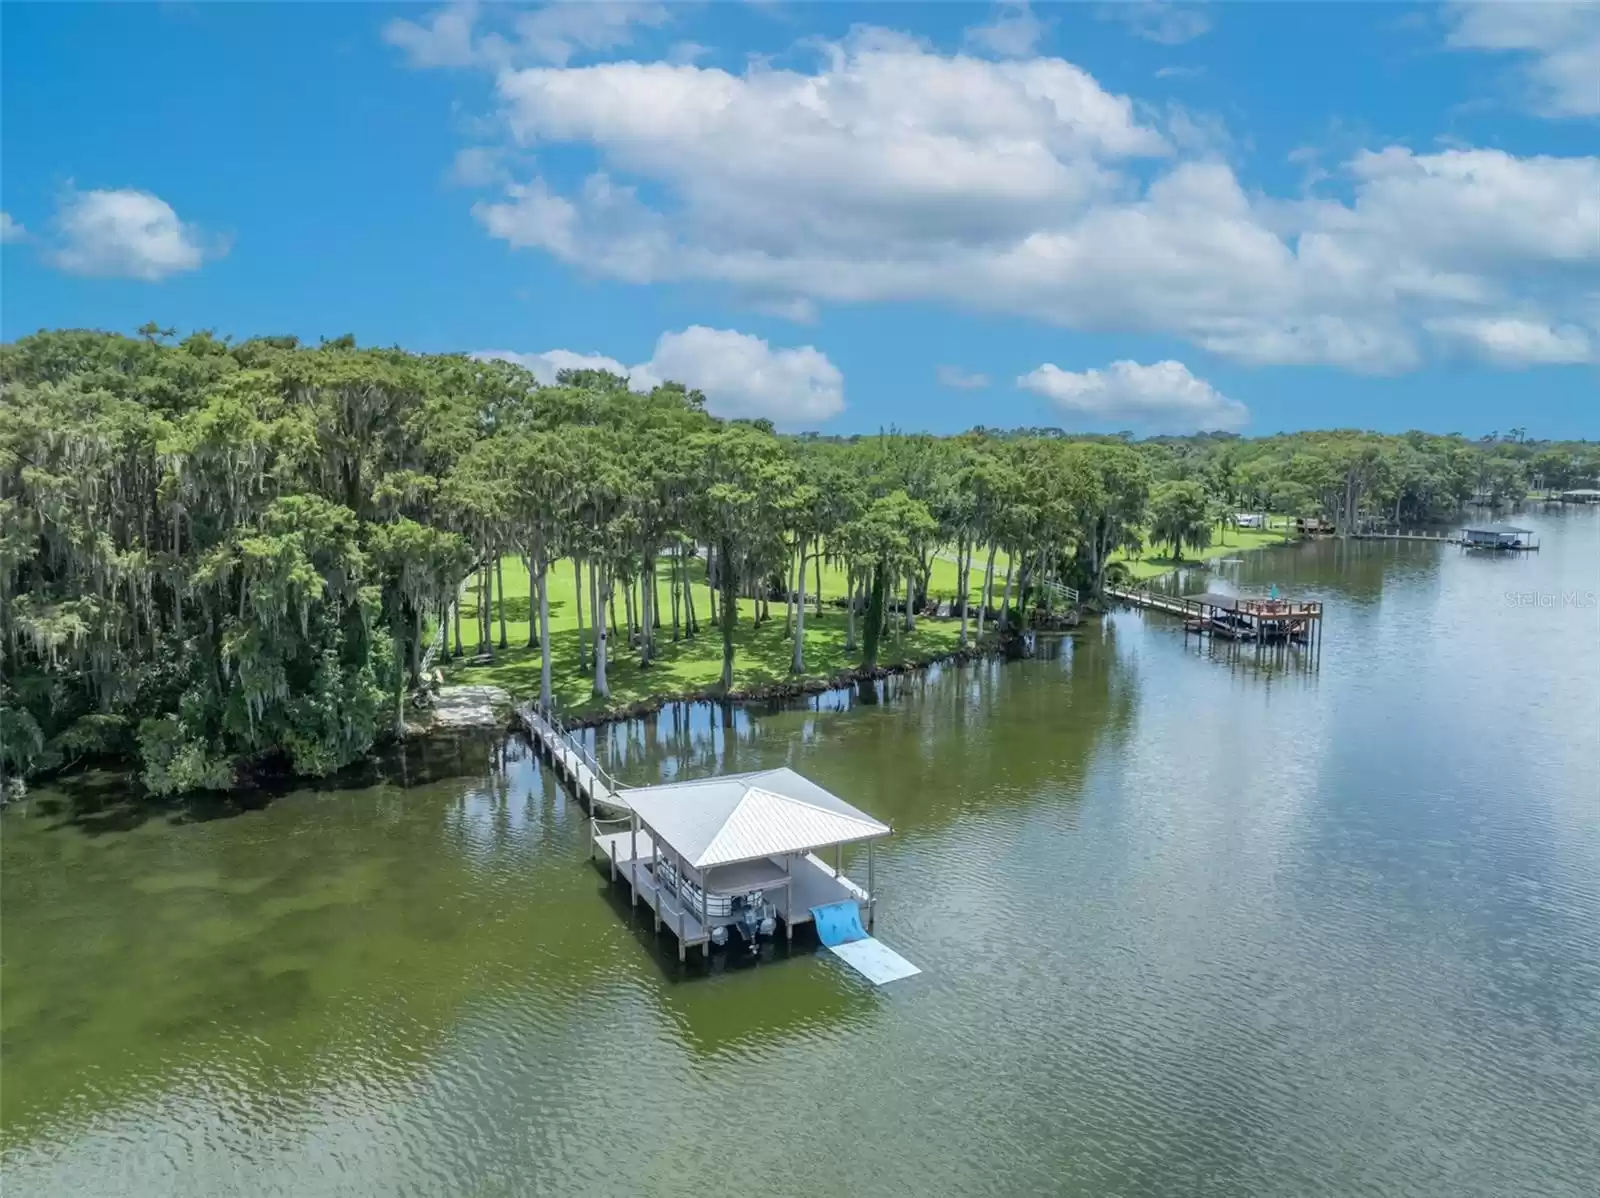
{"type": "Point", "coordinates": [872, 895]}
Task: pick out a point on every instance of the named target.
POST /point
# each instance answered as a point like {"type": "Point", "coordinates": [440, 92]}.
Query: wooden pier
{"type": "Point", "coordinates": [574, 764]}
{"type": "Point", "coordinates": [1259, 621]}
{"type": "Point", "coordinates": [1433, 538]}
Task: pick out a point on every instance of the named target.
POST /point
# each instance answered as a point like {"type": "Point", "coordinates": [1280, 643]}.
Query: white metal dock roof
{"type": "Point", "coordinates": [745, 817]}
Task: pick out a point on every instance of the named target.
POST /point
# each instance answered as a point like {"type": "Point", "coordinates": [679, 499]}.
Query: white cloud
{"type": "Point", "coordinates": [545, 366]}
{"type": "Point", "coordinates": [687, 52]}
{"type": "Point", "coordinates": [11, 230]}
{"type": "Point", "coordinates": [554, 33]}
{"type": "Point", "coordinates": [1154, 21]}
{"type": "Point", "coordinates": [444, 39]}
{"type": "Point", "coordinates": [127, 234]}
{"type": "Point", "coordinates": [1161, 397]}
{"type": "Point", "coordinates": [954, 376]}
{"type": "Point", "coordinates": [796, 308]}
{"type": "Point", "coordinates": [743, 376]}
{"type": "Point", "coordinates": [740, 374]}
{"type": "Point", "coordinates": [478, 166]}
{"type": "Point", "coordinates": [1518, 341]}
{"type": "Point", "coordinates": [1561, 42]}
{"type": "Point", "coordinates": [1013, 33]}
{"type": "Point", "coordinates": [558, 32]}
{"type": "Point", "coordinates": [892, 172]}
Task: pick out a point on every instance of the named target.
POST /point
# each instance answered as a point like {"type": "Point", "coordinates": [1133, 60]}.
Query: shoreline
{"type": "Point", "coordinates": [789, 689]}
{"type": "Point", "coordinates": [256, 780]}
{"type": "Point", "coordinates": [779, 691]}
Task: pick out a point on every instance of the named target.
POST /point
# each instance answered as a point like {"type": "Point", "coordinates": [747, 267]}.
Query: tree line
{"type": "Point", "coordinates": [216, 554]}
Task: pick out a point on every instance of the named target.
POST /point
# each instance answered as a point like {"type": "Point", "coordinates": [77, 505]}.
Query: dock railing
{"type": "Point", "coordinates": [1177, 605]}
{"type": "Point", "coordinates": [1059, 590]}
{"type": "Point", "coordinates": [600, 827]}
{"type": "Point", "coordinates": [583, 752]}
{"type": "Point", "coordinates": [1182, 605]}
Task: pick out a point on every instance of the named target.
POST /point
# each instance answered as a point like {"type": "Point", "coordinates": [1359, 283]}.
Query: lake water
{"type": "Point", "coordinates": [1190, 924]}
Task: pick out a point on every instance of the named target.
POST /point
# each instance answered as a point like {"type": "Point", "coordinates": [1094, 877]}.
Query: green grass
{"type": "Point", "coordinates": [1239, 540]}
{"type": "Point", "coordinates": [762, 655]}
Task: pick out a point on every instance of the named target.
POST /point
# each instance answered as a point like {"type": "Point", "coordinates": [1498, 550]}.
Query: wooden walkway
{"type": "Point", "coordinates": [1433, 538]}
{"type": "Point", "coordinates": [1175, 605]}
{"type": "Point", "coordinates": [1261, 621]}
{"type": "Point", "coordinates": [574, 764]}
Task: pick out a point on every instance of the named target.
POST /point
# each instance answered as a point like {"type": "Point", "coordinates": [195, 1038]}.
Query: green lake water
{"type": "Point", "coordinates": [1190, 924]}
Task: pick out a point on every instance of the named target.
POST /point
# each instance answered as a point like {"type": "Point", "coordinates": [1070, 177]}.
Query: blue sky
{"type": "Point", "coordinates": [1095, 216]}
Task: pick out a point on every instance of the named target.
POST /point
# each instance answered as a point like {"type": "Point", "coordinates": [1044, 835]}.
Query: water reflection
{"type": "Point", "coordinates": [1186, 929]}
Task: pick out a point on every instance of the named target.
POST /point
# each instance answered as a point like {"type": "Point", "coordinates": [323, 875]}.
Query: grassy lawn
{"type": "Point", "coordinates": [761, 655]}
{"type": "Point", "coordinates": [1239, 540]}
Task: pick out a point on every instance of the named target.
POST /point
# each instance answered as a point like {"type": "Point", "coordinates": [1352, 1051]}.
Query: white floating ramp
{"type": "Point", "coordinates": [839, 928]}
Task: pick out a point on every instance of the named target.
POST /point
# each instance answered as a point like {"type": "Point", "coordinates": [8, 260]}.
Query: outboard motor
{"type": "Point", "coordinates": [750, 918]}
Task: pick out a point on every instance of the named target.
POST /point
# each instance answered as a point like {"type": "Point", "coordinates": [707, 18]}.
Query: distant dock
{"type": "Point", "coordinates": [1263, 622]}
{"type": "Point", "coordinates": [1433, 538]}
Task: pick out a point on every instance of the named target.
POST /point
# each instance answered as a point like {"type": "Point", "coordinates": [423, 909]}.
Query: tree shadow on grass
{"type": "Point", "coordinates": [763, 656]}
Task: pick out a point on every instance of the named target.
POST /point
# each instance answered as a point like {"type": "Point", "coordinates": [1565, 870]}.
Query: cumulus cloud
{"type": "Point", "coordinates": [741, 375]}
{"type": "Point", "coordinates": [11, 230]}
{"type": "Point", "coordinates": [545, 366]}
{"type": "Point", "coordinates": [1161, 397]}
{"type": "Point", "coordinates": [954, 376]}
{"type": "Point", "coordinates": [1013, 33]}
{"type": "Point", "coordinates": [890, 172]}
{"type": "Point", "coordinates": [558, 32]}
{"type": "Point", "coordinates": [443, 39]}
{"type": "Point", "coordinates": [554, 33]}
{"type": "Point", "coordinates": [1560, 42]}
{"type": "Point", "coordinates": [127, 234]}
{"type": "Point", "coordinates": [1518, 341]}
{"type": "Point", "coordinates": [478, 166]}
{"type": "Point", "coordinates": [1155, 21]}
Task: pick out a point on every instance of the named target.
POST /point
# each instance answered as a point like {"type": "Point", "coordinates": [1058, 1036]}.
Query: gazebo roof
{"type": "Point", "coordinates": [745, 817]}
{"type": "Point", "coordinates": [1498, 529]}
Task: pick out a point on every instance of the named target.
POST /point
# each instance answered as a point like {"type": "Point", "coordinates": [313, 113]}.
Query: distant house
{"type": "Point", "coordinates": [1497, 536]}
{"type": "Point", "coordinates": [1309, 526]}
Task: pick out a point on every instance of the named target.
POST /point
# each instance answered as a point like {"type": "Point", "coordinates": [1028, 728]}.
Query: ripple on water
{"type": "Point", "coordinates": [1186, 929]}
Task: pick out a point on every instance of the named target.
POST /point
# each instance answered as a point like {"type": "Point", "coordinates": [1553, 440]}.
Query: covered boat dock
{"type": "Point", "coordinates": [1506, 537]}
{"type": "Point", "coordinates": [737, 855]}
